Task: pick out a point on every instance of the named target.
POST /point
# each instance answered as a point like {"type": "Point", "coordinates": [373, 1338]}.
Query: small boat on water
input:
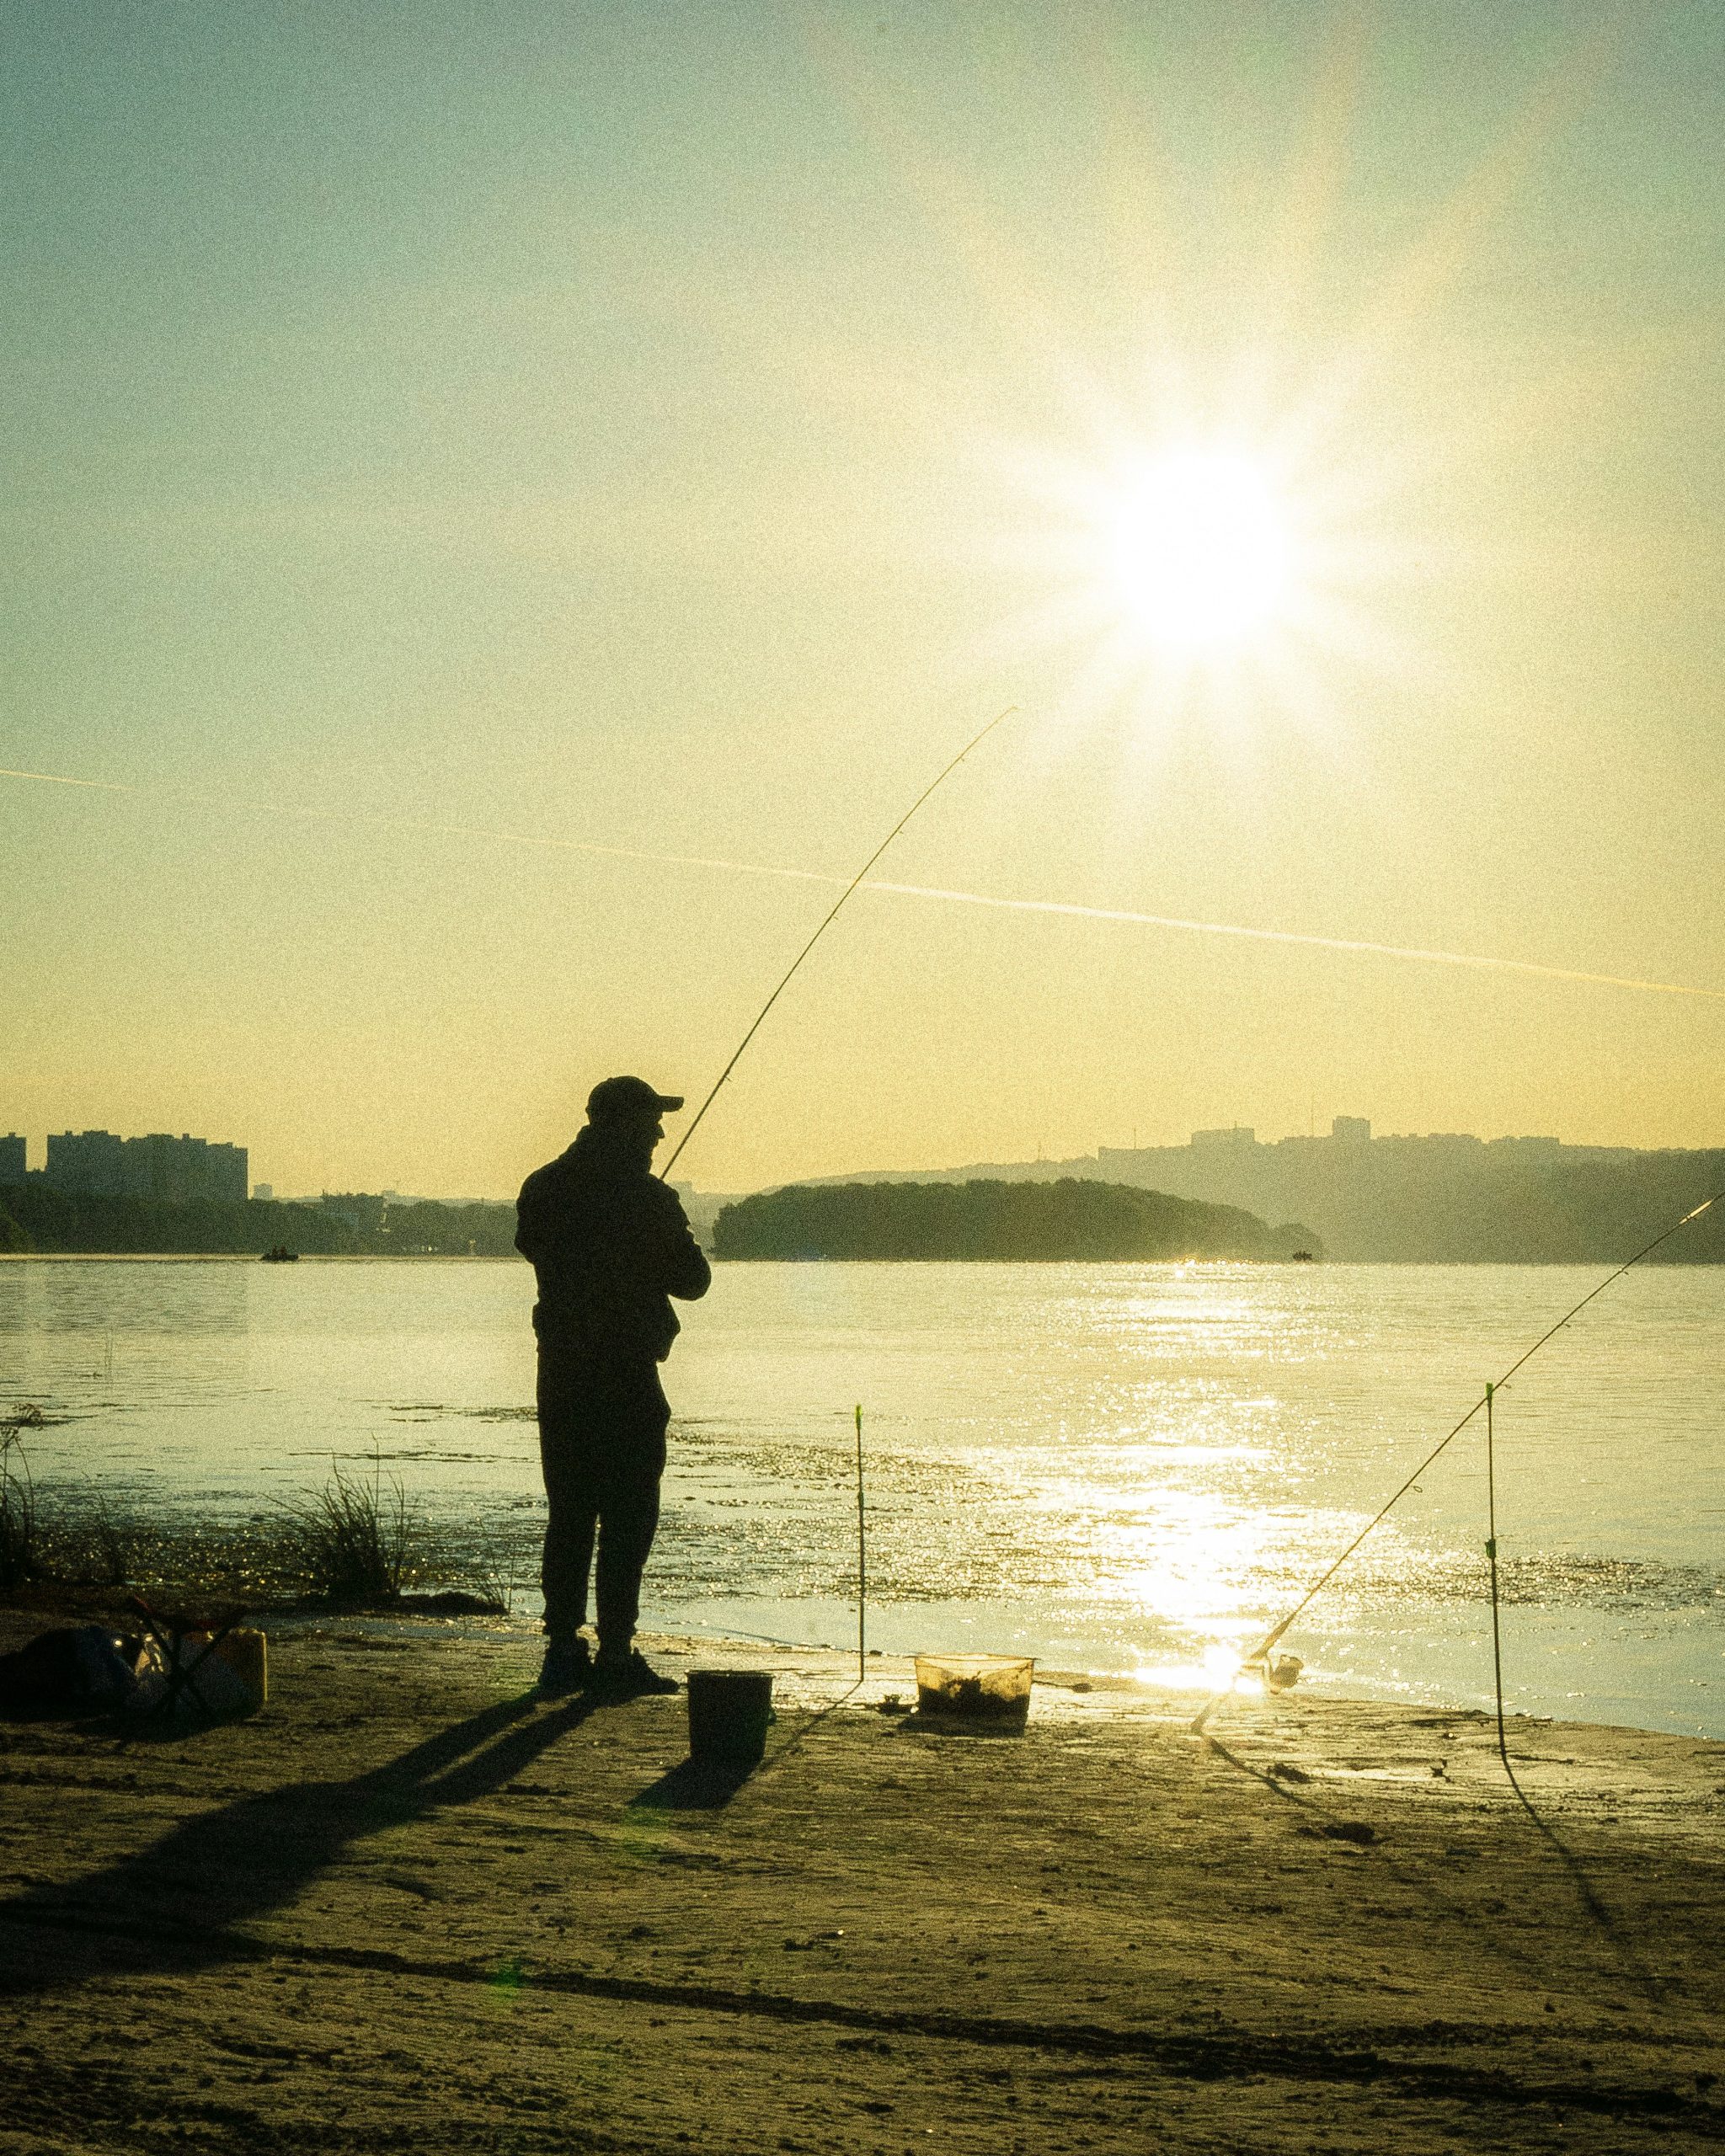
{"type": "Point", "coordinates": [280, 1254]}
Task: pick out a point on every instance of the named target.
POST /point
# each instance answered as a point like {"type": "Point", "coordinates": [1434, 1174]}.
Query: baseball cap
{"type": "Point", "coordinates": [621, 1096]}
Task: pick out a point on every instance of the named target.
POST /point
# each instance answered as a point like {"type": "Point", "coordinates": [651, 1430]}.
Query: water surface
{"type": "Point", "coordinates": [1120, 1466]}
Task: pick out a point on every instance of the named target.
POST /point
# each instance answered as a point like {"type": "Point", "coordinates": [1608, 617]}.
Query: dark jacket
{"type": "Point", "coordinates": [609, 1244]}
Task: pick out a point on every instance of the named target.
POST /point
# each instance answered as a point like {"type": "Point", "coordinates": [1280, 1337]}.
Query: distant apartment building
{"type": "Point", "coordinates": [12, 1159]}
{"type": "Point", "coordinates": [172, 1170]}
{"type": "Point", "coordinates": [86, 1163]}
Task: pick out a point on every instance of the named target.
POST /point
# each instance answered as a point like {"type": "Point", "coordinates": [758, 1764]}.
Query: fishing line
{"type": "Point", "coordinates": [940, 778]}
{"type": "Point", "coordinates": [862, 1562]}
{"type": "Point", "coordinates": [1128, 917]}
{"type": "Point", "coordinates": [1492, 1560]}
{"type": "Point", "coordinates": [1583, 1886]}
{"type": "Point", "coordinates": [1261, 1654]}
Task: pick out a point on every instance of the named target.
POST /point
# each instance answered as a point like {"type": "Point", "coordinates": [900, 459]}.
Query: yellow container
{"type": "Point", "coordinates": [246, 1654]}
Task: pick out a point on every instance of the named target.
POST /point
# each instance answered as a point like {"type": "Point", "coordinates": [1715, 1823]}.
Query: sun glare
{"type": "Point", "coordinates": [1199, 549]}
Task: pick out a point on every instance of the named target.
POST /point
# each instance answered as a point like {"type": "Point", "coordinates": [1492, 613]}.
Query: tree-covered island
{"type": "Point", "coordinates": [1070, 1220]}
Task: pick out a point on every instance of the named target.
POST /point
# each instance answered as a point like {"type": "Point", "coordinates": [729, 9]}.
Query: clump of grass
{"type": "Point", "coordinates": [59, 1543]}
{"type": "Point", "coordinates": [356, 1540]}
{"type": "Point", "coordinates": [20, 1517]}
{"type": "Point", "coordinates": [495, 1584]}
{"type": "Point", "coordinates": [110, 1546]}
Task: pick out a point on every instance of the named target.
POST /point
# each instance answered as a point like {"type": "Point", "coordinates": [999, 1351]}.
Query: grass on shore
{"type": "Point", "coordinates": [356, 1542]}
{"type": "Point", "coordinates": [20, 1519]}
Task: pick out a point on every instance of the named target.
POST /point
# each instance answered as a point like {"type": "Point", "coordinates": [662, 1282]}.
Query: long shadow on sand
{"type": "Point", "coordinates": [1630, 1963]}
{"type": "Point", "coordinates": [694, 1785]}
{"type": "Point", "coordinates": [164, 1908]}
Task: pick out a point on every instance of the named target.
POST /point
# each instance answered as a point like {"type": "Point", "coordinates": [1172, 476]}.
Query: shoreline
{"type": "Point", "coordinates": [464, 1596]}
{"type": "Point", "coordinates": [1182, 1264]}
{"type": "Point", "coordinates": [409, 1902]}
{"type": "Point", "coordinates": [256, 1258]}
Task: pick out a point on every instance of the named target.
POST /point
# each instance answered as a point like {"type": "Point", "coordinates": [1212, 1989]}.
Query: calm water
{"type": "Point", "coordinates": [1116, 1465]}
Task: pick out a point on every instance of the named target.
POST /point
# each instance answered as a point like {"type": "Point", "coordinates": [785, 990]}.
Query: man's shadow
{"type": "Point", "coordinates": [167, 1908]}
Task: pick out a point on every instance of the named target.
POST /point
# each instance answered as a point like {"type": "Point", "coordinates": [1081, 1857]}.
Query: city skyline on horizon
{"type": "Point", "coordinates": [1344, 1129]}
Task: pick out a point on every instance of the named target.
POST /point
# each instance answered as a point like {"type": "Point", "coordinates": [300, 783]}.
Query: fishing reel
{"type": "Point", "coordinates": [1276, 1673]}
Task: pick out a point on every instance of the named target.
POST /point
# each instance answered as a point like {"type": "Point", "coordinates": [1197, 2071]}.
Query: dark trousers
{"type": "Point", "coordinates": [601, 1444]}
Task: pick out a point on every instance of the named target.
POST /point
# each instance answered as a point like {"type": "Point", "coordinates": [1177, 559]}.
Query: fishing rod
{"type": "Point", "coordinates": [1259, 1658]}
{"type": "Point", "coordinates": [975, 741]}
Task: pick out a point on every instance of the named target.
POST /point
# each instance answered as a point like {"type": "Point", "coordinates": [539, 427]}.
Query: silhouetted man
{"type": "Point", "coordinates": [610, 1245]}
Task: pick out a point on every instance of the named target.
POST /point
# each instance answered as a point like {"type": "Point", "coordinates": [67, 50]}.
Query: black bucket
{"type": "Point", "coordinates": [728, 1711]}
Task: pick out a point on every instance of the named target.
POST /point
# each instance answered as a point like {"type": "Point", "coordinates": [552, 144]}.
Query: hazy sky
{"type": "Point", "coordinates": [678, 427]}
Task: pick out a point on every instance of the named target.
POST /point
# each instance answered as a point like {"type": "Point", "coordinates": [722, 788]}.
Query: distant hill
{"type": "Point", "coordinates": [1444, 1199]}
{"type": "Point", "coordinates": [1044, 1221]}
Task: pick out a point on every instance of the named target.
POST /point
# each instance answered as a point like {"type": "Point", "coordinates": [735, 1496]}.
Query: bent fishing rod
{"type": "Point", "coordinates": [933, 786]}
{"type": "Point", "coordinates": [1260, 1656]}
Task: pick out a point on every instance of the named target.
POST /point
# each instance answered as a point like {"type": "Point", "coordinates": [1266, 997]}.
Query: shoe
{"type": "Point", "coordinates": [569, 1665]}
{"type": "Point", "coordinates": [628, 1675]}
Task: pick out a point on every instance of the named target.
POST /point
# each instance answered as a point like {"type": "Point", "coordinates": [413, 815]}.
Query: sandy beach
{"type": "Point", "coordinates": [408, 1905]}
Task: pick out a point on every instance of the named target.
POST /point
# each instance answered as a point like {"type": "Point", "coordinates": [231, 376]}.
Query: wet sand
{"type": "Point", "coordinates": [409, 1906]}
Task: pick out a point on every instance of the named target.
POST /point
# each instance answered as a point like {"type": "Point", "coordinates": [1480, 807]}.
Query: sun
{"type": "Point", "coordinates": [1181, 572]}
{"type": "Point", "coordinates": [1198, 549]}
{"type": "Point", "coordinates": [1195, 574]}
